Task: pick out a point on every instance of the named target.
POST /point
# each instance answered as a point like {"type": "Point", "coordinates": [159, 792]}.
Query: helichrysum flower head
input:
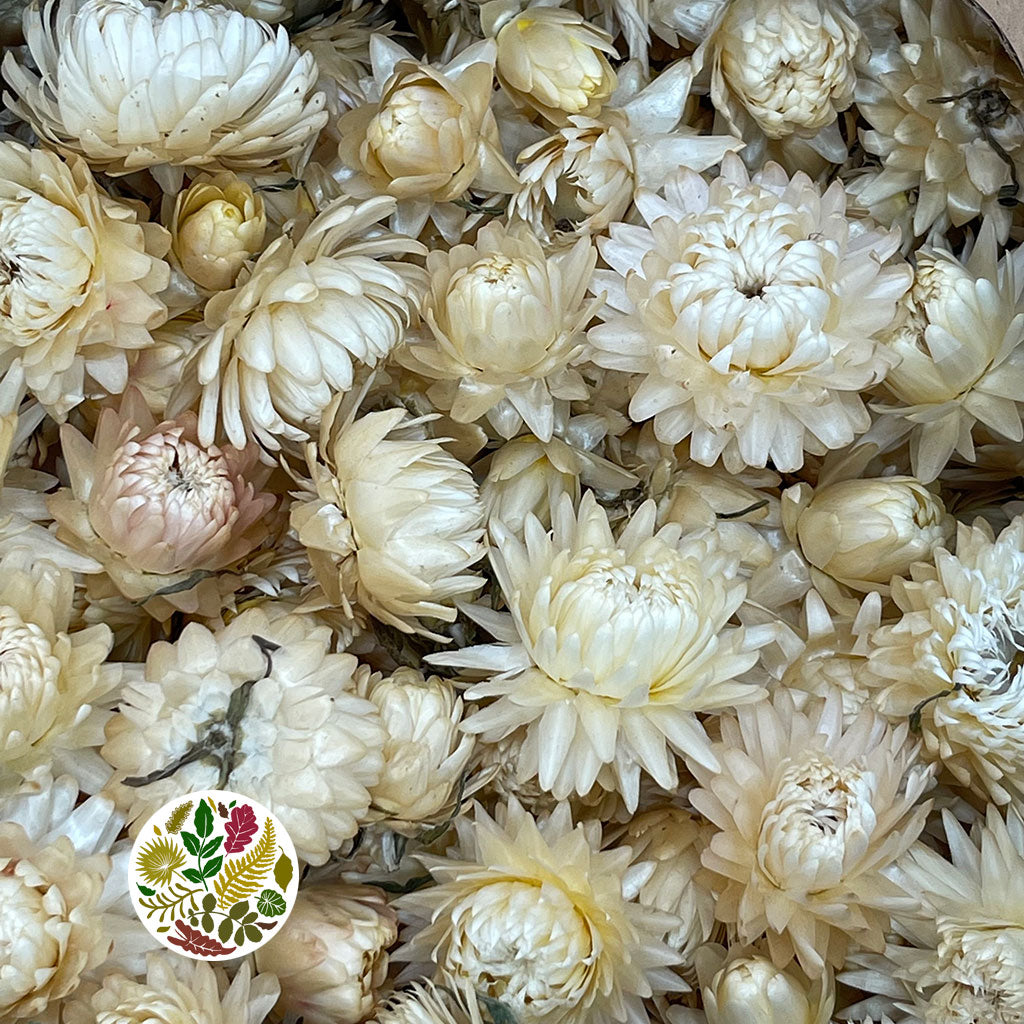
{"type": "Point", "coordinates": [216, 225]}
{"type": "Point", "coordinates": [426, 1003]}
{"type": "Point", "coordinates": [536, 915]}
{"type": "Point", "coordinates": [291, 333]}
{"type": "Point", "coordinates": [78, 278]}
{"type": "Point", "coordinates": [781, 72]}
{"type": "Point", "coordinates": [331, 955]}
{"type": "Point", "coordinates": [809, 813]}
{"type": "Point", "coordinates": [750, 307]}
{"type": "Point", "coordinates": [279, 713]}
{"type": "Point", "coordinates": [54, 683]}
{"type": "Point", "coordinates": [552, 60]}
{"type": "Point", "coordinates": [183, 84]}
{"type": "Point", "coordinates": [958, 341]}
{"type": "Point", "coordinates": [942, 105]}
{"type": "Point", "coordinates": [155, 506]}
{"type": "Point", "coordinates": [506, 324]}
{"type": "Point", "coordinates": [176, 990]}
{"type": "Point", "coordinates": [862, 532]}
{"type": "Point", "coordinates": [392, 521]}
{"type": "Point", "coordinates": [614, 644]}
{"type": "Point", "coordinates": [952, 663]}
{"type": "Point", "coordinates": [752, 990]}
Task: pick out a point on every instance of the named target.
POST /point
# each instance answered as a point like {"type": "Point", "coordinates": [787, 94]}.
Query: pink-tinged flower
{"type": "Point", "coordinates": [155, 507]}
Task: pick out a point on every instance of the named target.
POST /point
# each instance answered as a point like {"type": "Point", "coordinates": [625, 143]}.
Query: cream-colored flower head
{"type": "Point", "coordinates": [863, 532]}
{"type": "Point", "coordinates": [217, 223]}
{"type": "Point", "coordinates": [809, 813]}
{"type": "Point", "coordinates": [943, 104]}
{"type": "Point", "coordinates": [392, 521]}
{"type": "Point", "coordinates": [185, 83]}
{"type": "Point", "coordinates": [425, 752]}
{"type": "Point", "coordinates": [538, 916]}
{"type": "Point", "coordinates": [52, 680]}
{"type": "Point", "coordinates": [952, 663]}
{"type": "Point", "coordinates": [340, 43]}
{"type": "Point", "coordinates": [289, 336]}
{"type": "Point", "coordinates": [78, 276]}
{"type": "Point", "coordinates": [428, 133]}
{"type": "Point", "coordinates": [176, 990]}
{"type": "Point", "coordinates": [276, 715]}
{"type": "Point", "coordinates": [426, 1003]}
{"type": "Point", "coordinates": [550, 59]}
{"type": "Point", "coordinates": [671, 840]}
{"type": "Point", "coordinates": [506, 322]}
{"type": "Point", "coordinates": [331, 955]}
{"type": "Point", "coordinates": [960, 355]}
{"type": "Point", "coordinates": [750, 307]}
{"type": "Point", "coordinates": [613, 646]}
{"type": "Point", "coordinates": [750, 989]}
{"type": "Point", "coordinates": [50, 930]}
{"type": "Point", "coordinates": [781, 73]}
{"type": "Point", "coordinates": [155, 507]}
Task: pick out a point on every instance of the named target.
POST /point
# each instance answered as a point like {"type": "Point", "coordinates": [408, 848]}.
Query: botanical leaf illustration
{"type": "Point", "coordinates": [283, 871]}
{"type": "Point", "coordinates": [159, 859]}
{"type": "Point", "coordinates": [243, 876]}
{"type": "Point", "coordinates": [177, 818]}
{"type": "Point", "coordinates": [194, 941]}
{"type": "Point", "coordinates": [177, 899]}
{"type": "Point", "coordinates": [203, 820]}
{"type": "Point", "coordinates": [271, 903]}
{"type": "Point", "coordinates": [240, 829]}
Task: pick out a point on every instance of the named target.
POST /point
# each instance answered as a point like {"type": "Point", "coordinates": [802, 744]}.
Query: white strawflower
{"type": "Point", "coordinates": [178, 991]}
{"type": "Point", "coordinates": [960, 354]}
{"type": "Point", "coordinates": [290, 334]}
{"type": "Point", "coordinates": [613, 646]}
{"type": "Point", "coordinates": [156, 508]}
{"type": "Point", "coordinates": [809, 813]}
{"type": "Point", "coordinates": [216, 224]}
{"type": "Point", "coordinates": [863, 532]}
{"type": "Point", "coordinates": [751, 307]}
{"type": "Point", "coordinates": [781, 73]}
{"type": "Point", "coordinates": [551, 59]}
{"type": "Point", "coordinates": [54, 683]}
{"type": "Point", "coordinates": [392, 521]}
{"type": "Point", "coordinates": [425, 752]}
{"type": "Point", "coordinates": [275, 715]}
{"type": "Point", "coordinates": [536, 915]}
{"type": "Point", "coordinates": [752, 990]}
{"type": "Point", "coordinates": [942, 104]}
{"type": "Point", "coordinates": [185, 83]}
{"type": "Point", "coordinates": [425, 1003]}
{"type": "Point", "coordinates": [671, 840]}
{"type": "Point", "coordinates": [506, 324]}
{"type": "Point", "coordinates": [78, 278]}
{"type": "Point", "coordinates": [331, 954]}
{"type": "Point", "coordinates": [952, 663]}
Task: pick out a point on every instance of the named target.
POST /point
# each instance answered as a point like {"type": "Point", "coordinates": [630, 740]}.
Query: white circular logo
{"type": "Point", "coordinates": [213, 875]}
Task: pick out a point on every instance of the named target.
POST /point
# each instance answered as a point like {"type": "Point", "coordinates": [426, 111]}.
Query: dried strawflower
{"type": "Point", "coordinates": [752, 990]}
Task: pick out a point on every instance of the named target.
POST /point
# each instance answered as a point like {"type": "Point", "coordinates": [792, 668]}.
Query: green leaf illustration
{"type": "Point", "coordinates": [192, 843]}
{"type": "Point", "coordinates": [177, 818]}
{"type": "Point", "coordinates": [210, 868]}
{"type": "Point", "coordinates": [147, 892]}
{"type": "Point", "coordinates": [192, 875]}
{"type": "Point", "coordinates": [224, 931]}
{"type": "Point", "coordinates": [239, 910]}
{"type": "Point", "coordinates": [271, 903]}
{"type": "Point", "coordinates": [209, 902]}
{"type": "Point", "coordinates": [171, 901]}
{"type": "Point", "coordinates": [203, 820]}
{"type": "Point", "coordinates": [253, 934]}
{"type": "Point", "coordinates": [211, 847]}
{"type": "Point", "coordinates": [283, 872]}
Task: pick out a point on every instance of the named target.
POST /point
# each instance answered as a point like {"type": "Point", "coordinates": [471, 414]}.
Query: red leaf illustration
{"type": "Point", "coordinates": [240, 829]}
{"type": "Point", "coordinates": [192, 940]}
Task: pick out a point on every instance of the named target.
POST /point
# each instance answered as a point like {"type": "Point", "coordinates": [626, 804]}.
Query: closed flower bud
{"type": "Point", "coordinates": [751, 990]}
{"type": "Point", "coordinates": [425, 753]}
{"type": "Point", "coordinates": [217, 224]}
{"type": "Point", "coordinates": [554, 61]}
{"type": "Point", "coordinates": [864, 532]}
{"type": "Point", "coordinates": [331, 954]}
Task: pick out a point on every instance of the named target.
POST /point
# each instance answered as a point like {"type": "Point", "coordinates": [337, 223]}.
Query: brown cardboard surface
{"type": "Point", "coordinates": [1009, 18]}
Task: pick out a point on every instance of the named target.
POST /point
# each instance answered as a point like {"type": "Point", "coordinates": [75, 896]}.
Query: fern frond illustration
{"type": "Point", "coordinates": [178, 817]}
{"type": "Point", "coordinates": [242, 876]}
{"type": "Point", "coordinates": [159, 859]}
{"type": "Point", "coordinates": [171, 901]}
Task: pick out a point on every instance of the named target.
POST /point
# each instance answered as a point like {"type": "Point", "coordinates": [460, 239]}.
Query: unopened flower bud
{"type": "Point", "coordinates": [864, 532]}
{"type": "Point", "coordinates": [218, 223]}
{"type": "Point", "coordinates": [751, 990]}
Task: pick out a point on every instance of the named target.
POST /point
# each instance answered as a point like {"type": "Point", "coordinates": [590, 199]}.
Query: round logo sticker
{"type": "Point", "coordinates": [213, 875]}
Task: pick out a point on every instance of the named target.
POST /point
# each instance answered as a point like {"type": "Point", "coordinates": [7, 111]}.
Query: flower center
{"type": "Point", "coordinates": [25, 939]}
{"type": "Point", "coordinates": [26, 658]}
